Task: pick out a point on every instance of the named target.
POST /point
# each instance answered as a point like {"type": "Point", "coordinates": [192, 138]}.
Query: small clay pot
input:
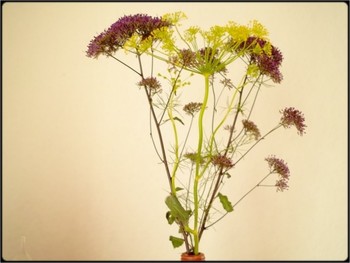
{"type": "Point", "coordinates": [192, 257]}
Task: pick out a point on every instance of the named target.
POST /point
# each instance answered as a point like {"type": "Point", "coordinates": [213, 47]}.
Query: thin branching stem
{"type": "Point", "coordinates": [126, 65]}
{"type": "Point", "coordinates": [160, 136]}
{"type": "Point", "coordinates": [262, 138]}
{"type": "Point", "coordinates": [173, 89]}
{"type": "Point", "coordinates": [254, 187]}
{"type": "Point", "coordinates": [219, 177]}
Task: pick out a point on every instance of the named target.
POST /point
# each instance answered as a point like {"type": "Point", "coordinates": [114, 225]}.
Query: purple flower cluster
{"type": "Point", "coordinates": [268, 64]}
{"type": "Point", "coordinates": [152, 84]}
{"type": "Point", "coordinates": [198, 60]}
{"type": "Point", "coordinates": [281, 185]}
{"type": "Point", "coordinates": [293, 117]}
{"type": "Point", "coordinates": [222, 161]}
{"type": "Point", "coordinates": [118, 33]}
{"type": "Point", "coordinates": [251, 128]}
{"type": "Point", "coordinates": [280, 167]}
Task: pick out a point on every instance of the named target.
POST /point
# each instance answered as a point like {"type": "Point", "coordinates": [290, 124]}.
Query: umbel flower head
{"type": "Point", "coordinates": [251, 129]}
{"type": "Point", "coordinates": [152, 84]}
{"type": "Point", "coordinates": [293, 117]}
{"type": "Point", "coordinates": [280, 167]}
{"type": "Point", "coordinates": [192, 107]}
{"type": "Point", "coordinates": [121, 31]}
{"type": "Point", "coordinates": [198, 60]}
{"type": "Point", "coordinates": [222, 161]}
{"type": "Point", "coordinates": [267, 57]}
{"type": "Point", "coordinates": [281, 185]}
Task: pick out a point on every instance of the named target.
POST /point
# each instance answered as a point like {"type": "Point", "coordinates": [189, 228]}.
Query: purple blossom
{"type": "Point", "coordinates": [278, 166]}
{"type": "Point", "coordinates": [152, 84]}
{"type": "Point", "coordinates": [198, 60]}
{"type": "Point", "coordinates": [187, 58]}
{"type": "Point", "coordinates": [222, 161]}
{"type": "Point", "coordinates": [281, 185]}
{"type": "Point", "coordinates": [118, 33]}
{"type": "Point", "coordinates": [293, 117]}
{"type": "Point", "coordinates": [250, 42]}
{"type": "Point", "coordinates": [251, 128]}
{"type": "Point", "coordinates": [268, 64]}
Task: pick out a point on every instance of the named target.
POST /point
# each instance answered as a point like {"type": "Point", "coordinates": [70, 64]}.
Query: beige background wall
{"type": "Point", "coordinates": [80, 177]}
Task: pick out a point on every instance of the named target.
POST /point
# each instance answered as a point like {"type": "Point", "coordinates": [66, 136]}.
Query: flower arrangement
{"type": "Point", "coordinates": [200, 158]}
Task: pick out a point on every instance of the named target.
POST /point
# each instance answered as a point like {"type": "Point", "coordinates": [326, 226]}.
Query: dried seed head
{"type": "Point", "coordinates": [192, 108]}
{"type": "Point", "coordinates": [222, 161]}
{"type": "Point", "coordinates": [278, 166]}
{"type": "Point", "coordinates": [251, 129]}
{"type": "Point", "coordinates": [152, 84]}
{"type": "Point", "coordinates": [293, 117]}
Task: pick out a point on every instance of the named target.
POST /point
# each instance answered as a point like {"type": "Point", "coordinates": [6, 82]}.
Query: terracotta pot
{"type": "Point", "coordinates": [191, 257]}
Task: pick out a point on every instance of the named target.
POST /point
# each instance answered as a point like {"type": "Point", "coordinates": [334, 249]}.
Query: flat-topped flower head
{"type": "Point", "coordinates": [192, 108]}
{"type": "Point", "coordinates": [267, 57]}
{"type": "Point", "coordinates": [121, 31]}
{"type": "Point", "coordinates": [204, 60]}
{"type": "Point", "coordinates": [293, 117]}
{"type": "Point", "coordinates": [281, 185]}
{"type": "Point", "coordinates": [278, 166]}
{"type": "Point", "coordinates": [251, 129]}
{"type": "Point", "coordinates": [185, 58]}
{"type": "Point", "coordinates": [152, 84]}
{"type": "Point", "coordinates": [222, 161]}
{"type": "Point", "coordinates": [269, 65]}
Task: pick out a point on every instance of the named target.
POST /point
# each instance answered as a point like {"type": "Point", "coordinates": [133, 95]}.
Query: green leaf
{"type": "Point", "coordinates": [170, 218]}
{"type": "Point", "coordinates": [176, 241]}
{"type": "Point", "coordinates": [178, 119]}
{"type": "Point", "coordinates": [175, 119]}
{"type": "Point", "coordinates": [225, 203]}
{"type": "Point", "coordinates": [178, 189]}
{"type": "Point", "coordinates": [177, 210]}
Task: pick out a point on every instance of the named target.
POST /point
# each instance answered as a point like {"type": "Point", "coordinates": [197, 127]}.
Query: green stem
{"type": "Point", "coordinates": [221, 171]}
{"type": "Point", "coordinates": [176, 163]}
{"type": "Point", "coordinates": [198, 161]}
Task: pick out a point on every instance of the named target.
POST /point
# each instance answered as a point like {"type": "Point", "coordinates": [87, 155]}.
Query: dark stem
{"type": "Point", "coordinates": [222, 172]}
{"type": "Point", "coordinates": [216, 220]}
{"type": "Point", "coordinates": [253, 104]}
{"type": "Point", "coordinates": [149, 98]}
{"type": "Point", "coordinates": [221, 175]}
{"type": "Point", "coordinates": [126, 65]}
{"type": "Point", "coordinates": [245, 195]}
{"type": "Point", "coordinates": [165, 161]}
{"type": "Point", "coordinates": [151, 135]}
{"type": "Point", "coordinates": [236, 117]}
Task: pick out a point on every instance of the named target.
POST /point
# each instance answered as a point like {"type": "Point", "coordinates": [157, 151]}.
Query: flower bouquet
{"type": "Point", "coordinates": [211, 133]}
